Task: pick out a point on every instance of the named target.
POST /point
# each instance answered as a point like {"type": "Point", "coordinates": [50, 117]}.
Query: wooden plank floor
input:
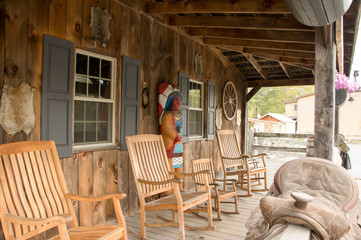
{"type": "Point", "coordinates": [231, 227]}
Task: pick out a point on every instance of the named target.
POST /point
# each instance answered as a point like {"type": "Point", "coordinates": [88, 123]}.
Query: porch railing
{"type": "Point", "coordinates": [279, 143]}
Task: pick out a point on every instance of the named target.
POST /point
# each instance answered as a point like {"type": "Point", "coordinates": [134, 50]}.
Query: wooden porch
{"type": "Point", "coordinates": [232, 226]}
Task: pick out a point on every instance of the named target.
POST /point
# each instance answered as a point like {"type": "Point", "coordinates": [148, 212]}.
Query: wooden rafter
{"type": "Point", "coordinates": [285, 70]}
{"type": "Point", "coordinates": [252, 92]}
{"type": "Point", "coordinates": [216, 6]}
{"type": "Point", "coordinates": [266, 23]}
{"type": "Point", "coordinates": [224, 42]}
{"type": "Point", "coordinates": [281, 82]}
{"type": "Point", "coordinates": [264, 35]}
{"type": "Point", "coordinates": [255, 64]}
{"type": "Point", "coordinates": [281, 53]}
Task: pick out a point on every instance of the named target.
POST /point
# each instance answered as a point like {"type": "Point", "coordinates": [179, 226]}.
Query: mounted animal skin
{"type": "Point", "coordinates": [17, 108]}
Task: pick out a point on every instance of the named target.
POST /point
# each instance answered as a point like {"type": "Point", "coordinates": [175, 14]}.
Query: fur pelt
{"type": "Point", "coordinates": [17, 108]}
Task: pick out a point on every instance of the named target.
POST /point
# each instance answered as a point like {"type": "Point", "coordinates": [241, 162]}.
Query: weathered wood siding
{"type": "Point", "coordinates": [134, 35]}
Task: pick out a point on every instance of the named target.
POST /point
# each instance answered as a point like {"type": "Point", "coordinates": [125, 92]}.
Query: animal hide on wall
{"type": "Point", "coordinates": [99, 25]}
{"type": "Point", "coordinates": [198, 65]}
{"type": "Point", "coordinates": [17, 108]}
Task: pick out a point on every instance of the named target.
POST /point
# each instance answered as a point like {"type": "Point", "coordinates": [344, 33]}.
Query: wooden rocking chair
{"type": "Point", "coordinates": [153, 177]}
{"type": "Point", "coordinates": [34, 197]}
{"type": "Point", "coordinates": [205, 164]}
{"type": "Point", "coordinates": [248, 169]}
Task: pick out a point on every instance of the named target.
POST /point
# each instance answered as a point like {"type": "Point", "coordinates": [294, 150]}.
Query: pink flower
{"type": "Point", "coordinates": [343, 82]}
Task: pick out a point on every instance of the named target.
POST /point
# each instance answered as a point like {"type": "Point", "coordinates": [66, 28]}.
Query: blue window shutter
{"type": "Point", "coordinates": [130, 99]}
{"type": "Point", "coordinates": [211, 110]}
{"type": "Point", "coordinates": [57, 93]}
{"type": "Point", "coordinates": [183, 81]}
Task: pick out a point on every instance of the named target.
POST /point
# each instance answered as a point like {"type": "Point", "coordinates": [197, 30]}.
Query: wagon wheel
{"type": "Point", "coordinates": [230, 100]}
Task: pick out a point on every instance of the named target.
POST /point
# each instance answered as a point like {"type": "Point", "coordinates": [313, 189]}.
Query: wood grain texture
{"type": "Point", "coordinates": [324, 95]}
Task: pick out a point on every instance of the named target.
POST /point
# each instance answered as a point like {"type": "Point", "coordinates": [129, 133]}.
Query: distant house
{"type": "Point", "coordinates": [349, 114]}
{"type": "Point", "coordinates": [274, 122]}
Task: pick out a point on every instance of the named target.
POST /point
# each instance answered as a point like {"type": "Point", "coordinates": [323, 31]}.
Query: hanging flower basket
{"type": "Point", "coordinates": [341, 95]}
{"type": "Point", "coordinates": [344, 85]}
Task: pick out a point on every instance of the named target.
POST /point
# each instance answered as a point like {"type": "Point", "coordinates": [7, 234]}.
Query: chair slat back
{"type": "Point", "coordinates": [149, 162]}
{"type": "Point", "coordinates": [201, 165]}
{"type": "Point", "coordinates": [32, 183]}
{"type": "Point", "coordinates": [229, 148]}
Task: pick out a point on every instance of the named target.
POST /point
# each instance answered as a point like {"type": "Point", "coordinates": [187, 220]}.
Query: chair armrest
{"type": "Point", "coordinates": [242, 156]}
{"type": "Point", "coordinates": [175, 180]}
{"type": "Point", "coordinates": [211, 184]}
{"type": "Point", "coordinates": [190, 174]}
{"type": "Point", "coordinates": [96, 199]}
{"type": "Point", "coordinates": [61, 218]}
{"type": "Point", "coordinates": [225, 180]}
{"type": "Point", "coordinates": [259, 155]}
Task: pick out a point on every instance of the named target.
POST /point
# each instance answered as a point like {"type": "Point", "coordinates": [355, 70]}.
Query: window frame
{"type": "Point", "coordinates": [201, 109]}
{"type": "Point", "coordinates": [97, 100]}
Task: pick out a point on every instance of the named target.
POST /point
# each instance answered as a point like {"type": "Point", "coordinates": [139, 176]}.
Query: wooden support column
{"type": "Point", "coordinates": [244, 118]}
{"type": "Point", "coordinates": [325, 92]}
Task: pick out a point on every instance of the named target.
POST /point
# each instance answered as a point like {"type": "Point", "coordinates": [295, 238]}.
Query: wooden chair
{"type": "Point", "coordinates": [205, 164]}
{"type": "Point", "coordinates": [153, 177]}
{"type": "Point", "coordinates": [34, 197]}
{"type": "Point", "coordinates": [248, 169]}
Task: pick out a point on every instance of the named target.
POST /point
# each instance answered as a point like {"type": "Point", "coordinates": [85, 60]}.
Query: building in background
{"type": "Point", "coordinates": [273, 123]}
{"type": "Point", "coordinates": [349, 114]}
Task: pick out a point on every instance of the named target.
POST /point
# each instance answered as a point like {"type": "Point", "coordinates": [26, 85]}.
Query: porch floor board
{"type": "Point", "coordinates": [231, 227]}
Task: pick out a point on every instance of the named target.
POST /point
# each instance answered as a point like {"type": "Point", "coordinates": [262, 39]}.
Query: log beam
{"type": "Point", "coordinates": [266, 23]}
{"type": "Point", "coordinates": [226, 42]}
{"type": "Point", "coordinates": [281, 82]}
{"type": "Point", "coordinates": [264, 35]}
{"type": "Point", "coordinates": [325, 94]}
{"type": "Point", "coordinates": [212, 6]}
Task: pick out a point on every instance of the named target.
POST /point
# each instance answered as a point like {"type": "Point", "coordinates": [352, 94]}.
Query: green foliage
{"type": "Point", "coordinates": [272, 99]}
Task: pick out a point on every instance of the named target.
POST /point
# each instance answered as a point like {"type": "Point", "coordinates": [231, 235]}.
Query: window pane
{"type": "Point", "coordinates": [105, 89]}
{"type": "Point", "coordinates": [78, 132]}
{"type": "Point", "coordinates": [90, 132]}
{"type": "Point", "coordinates": [79, 111]}
{"type": "Point", "coordinates": [80, 86]}
{"type": "Point", "coordinates": [81, 64]}
{"type": "Point", "coordinates": [91, 111]}
{"type": "Point", "coordinates": [106, 69]}
{"type": "Point", "coordinates": [195, 123]}
{"type": "Point", "coordinates": [195, 94]}
{"type": "Point", "coordinates": [93, 88]}
{"type": "Point", "coordinates": [103, 131]}
{"type": "Point", "coordinates": [94, 66]}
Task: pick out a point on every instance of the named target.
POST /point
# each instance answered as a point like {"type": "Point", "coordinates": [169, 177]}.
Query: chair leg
{"type": "Point", "coordinates": [181, 224]}
{"type": "Point", "coordinates": [265, 180]}
{"type": "Point", "coordinates": [209, 208]}
{"type": "Point", "coordinates": [249, 185]}
{"type": "Point", "coordinates": [218, 209]}
{"type": "Point", "coordinates": [235, 204]}
{"type": "Point", "coordinates": [142, 223]}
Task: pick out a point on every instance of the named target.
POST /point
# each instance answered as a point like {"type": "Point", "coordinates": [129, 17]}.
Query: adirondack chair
{"type": "Point", "coordinates": [249, 170]}
{"type": "Point", "coordinates": [205, 164]}
{"type": "Point", "coordinates": [34, 197]}
{"type": "Point", "coordinates": [153, 177]}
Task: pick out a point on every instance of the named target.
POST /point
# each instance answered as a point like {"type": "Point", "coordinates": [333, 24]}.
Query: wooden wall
{"type": "Point", "coordinates": [132, 34]}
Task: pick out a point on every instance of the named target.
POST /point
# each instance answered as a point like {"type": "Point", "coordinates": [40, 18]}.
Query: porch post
{"type": "Point", "coordinates": [244, 119]}
{"type": "Point", "coordinates": [325, 92]}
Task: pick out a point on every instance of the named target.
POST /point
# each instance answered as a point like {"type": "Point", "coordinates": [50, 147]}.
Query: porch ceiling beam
{"type": "Point", "coordinates": [252, 93]}
{"type": "Point", "coordinates": [239, 43]}
{"type": "Point", "coordinates": [290, 60]}
{"type": "Point", "coordinates": [264, 35]}
{"type": "Point", "coordinates": [268, 23]}
{"type": "Point", "coordinates": [283, 53]}
{"type": "Point", "coordinates": [283, 66]}
{"type": "Point", "coordinates": [255, 64]}
{"type": "Point", "coordinates": [216, 6]}
{"type": "Point", "coordinates": [281, 82]}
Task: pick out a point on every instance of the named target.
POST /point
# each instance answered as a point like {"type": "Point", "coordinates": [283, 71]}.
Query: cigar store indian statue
{"type": "Point", "coordinates": [170, 124]}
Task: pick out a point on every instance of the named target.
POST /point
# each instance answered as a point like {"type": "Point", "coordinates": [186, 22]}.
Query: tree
{"type": "Point", "coordinates": [272, 99]}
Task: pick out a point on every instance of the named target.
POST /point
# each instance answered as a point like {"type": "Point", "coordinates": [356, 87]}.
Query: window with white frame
{"type": "Point", "coordinates": [196, 94]}
{"type": "Point", "coordinates": [94, 99]}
